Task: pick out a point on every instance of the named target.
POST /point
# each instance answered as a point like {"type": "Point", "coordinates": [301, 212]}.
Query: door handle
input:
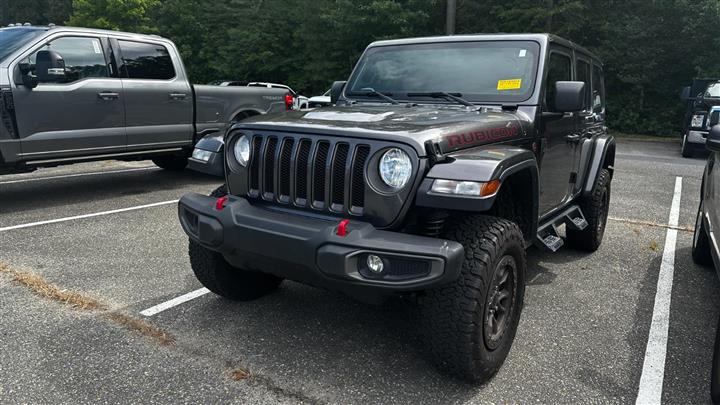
{"type": "Point", "coordinates": [108, 95]}
{"type": "Point", "coordinates": [178, 96]}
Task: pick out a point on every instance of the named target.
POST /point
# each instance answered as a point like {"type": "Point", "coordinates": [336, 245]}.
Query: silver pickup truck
{"type": "Point", "coordinates": [69, 95]}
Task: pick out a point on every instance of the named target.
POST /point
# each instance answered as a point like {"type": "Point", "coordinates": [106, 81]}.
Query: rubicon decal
{"type": "Point", "coordinates": [465, 139]}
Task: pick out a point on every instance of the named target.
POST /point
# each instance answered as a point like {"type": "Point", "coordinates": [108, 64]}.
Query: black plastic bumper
{"type": "Point", "coordinates": [308, 249]}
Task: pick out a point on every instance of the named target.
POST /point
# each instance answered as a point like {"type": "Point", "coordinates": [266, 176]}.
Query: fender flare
{"type": "Point", "coordinates": [603, 157]}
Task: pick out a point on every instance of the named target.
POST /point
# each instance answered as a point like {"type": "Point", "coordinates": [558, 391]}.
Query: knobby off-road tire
{"type": "Point", "coordinates": [686, 148]}
{"type": "Point", "coordinates": [701, 244]}
{"type": "Point", "coordinates": [170, 162]}
{"type": "Point", "coordinates": [595, 208]}
{"type": "Point", "coordinates": [218, 276]}
{"type": "Point", "coordinates": [469, 325]}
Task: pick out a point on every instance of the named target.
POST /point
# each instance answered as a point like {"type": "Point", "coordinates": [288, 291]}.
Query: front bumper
{"type": "Point", "coordinates": [697, 137]}
{"type": "Point", "coordinates": [308, 249]}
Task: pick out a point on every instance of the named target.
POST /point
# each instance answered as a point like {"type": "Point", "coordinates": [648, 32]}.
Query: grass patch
{"type": "Point", "coordinates": [649, 138]}
{"type": "Point", "coordinates": [654, 245]}
{"type": "Point", "coordinates": [142, 327]}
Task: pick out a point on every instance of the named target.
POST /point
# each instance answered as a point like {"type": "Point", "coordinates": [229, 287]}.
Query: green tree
{"type": "Point", "coordinates": [128, 15]}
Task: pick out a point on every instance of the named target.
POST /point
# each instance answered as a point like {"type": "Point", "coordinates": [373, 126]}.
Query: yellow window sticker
{"type": "Point", "coordinates": [511, 84]}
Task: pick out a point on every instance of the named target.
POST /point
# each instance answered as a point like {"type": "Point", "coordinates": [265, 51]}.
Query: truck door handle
{"type": "Point", "coordinates": [108, 95]}
{"type": "Point", "coordinates": [178, 96]}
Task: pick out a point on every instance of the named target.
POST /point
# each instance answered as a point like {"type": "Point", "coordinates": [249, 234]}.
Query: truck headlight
{"type": "Point", "coordinates": [697, 120]}
{"type": "Point", "coordinates": [241, 150]}
{"type": "Point", "coordinates": [395, 168]}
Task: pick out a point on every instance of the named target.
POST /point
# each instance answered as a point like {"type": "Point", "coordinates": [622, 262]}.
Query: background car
{"type": "Point", "coordinates": [300, 101]}
{"type": "Point", "coordinates": [699, 98]}
{"type": "Point", "coordinates": [320, 101]}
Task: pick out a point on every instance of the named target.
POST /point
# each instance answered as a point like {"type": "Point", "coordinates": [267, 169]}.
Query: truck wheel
{"type": "Point", "coordinates": [595, 208]}
{"type": "Point", "coordinates": [218, 276]}
{"type": "Point", "coordinates": [686, 150]}
{"type": "Point", "coordinates": [174, 163]}
{"type": "Point", "coordinates": [469, 325]}
{"type": "Point", "coordinates": [701, 243]}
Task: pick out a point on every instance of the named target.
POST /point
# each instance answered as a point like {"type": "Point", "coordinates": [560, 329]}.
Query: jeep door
{"type": "Point", "coordinates": [80, 112]}
{"type": "Point", "coordinates": [158, 97]}
{"type": "Point", "coordinates": [558, 137]}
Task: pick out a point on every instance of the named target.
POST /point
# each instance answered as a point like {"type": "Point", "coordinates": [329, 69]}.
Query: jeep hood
{"type": "Point", "coordinates": [452, 127]}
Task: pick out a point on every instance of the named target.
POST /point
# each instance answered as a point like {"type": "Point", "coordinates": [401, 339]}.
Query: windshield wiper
{"type": "Point", "coordinates": [442, 94]}
{"type": "Point", "coordinates": [372, 92]}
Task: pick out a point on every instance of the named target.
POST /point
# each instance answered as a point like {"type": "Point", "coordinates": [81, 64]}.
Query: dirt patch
{"type": "Point", "coordinates": [142, 327]}
{"type": "Point", "coordinates": [240, 374]}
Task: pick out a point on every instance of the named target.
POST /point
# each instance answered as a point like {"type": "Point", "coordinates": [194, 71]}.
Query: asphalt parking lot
{"type": "Point", "coordinates": [582, 336]}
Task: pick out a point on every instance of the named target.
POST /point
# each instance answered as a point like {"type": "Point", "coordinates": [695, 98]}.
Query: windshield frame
{"type": "Point", "coordinates": [475, 98]}
{"type": "Point", "coordinates": [20, 41]}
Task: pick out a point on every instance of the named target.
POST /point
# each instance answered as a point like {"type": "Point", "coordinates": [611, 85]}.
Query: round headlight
{"type": "Point", "coordinates": [395, 168]}
{"type": "Point", "coordinates": [241, 150]}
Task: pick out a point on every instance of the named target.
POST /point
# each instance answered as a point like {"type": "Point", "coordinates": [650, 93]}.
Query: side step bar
{"type": "Point", "coordinates": [548, 236]}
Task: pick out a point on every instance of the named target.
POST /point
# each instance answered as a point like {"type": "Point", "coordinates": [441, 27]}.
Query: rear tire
{"type": "Point", "coordinates": [469, 325]}
{"type": "Point", "coordinates": [686, 149]}
{"type": "Point", "coordinates": [701, 244]}
{"type": "Point", "coordinates": [595, 208]}
{"type": "Point", "coordinates": [218, 276]}
{"type": "Point", "coordinates": [171, 162]}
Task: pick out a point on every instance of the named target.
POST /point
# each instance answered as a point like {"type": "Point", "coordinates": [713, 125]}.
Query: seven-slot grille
{"type": "Point", "coordinates": [323, 174]}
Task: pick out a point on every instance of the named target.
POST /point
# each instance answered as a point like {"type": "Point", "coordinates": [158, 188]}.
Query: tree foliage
{"type": "Point", "coordinates": [650, 48]}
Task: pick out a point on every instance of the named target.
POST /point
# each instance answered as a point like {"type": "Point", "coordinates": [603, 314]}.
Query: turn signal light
{"type": "Point", "coordinates": [470, 188]}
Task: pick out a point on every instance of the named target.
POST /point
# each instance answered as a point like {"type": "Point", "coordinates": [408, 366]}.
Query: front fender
{"type": "Point", "coordinates": [481, 165]}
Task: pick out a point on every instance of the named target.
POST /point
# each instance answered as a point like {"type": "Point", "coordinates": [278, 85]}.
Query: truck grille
{"type": "Point", "coordinates": [314, 173]}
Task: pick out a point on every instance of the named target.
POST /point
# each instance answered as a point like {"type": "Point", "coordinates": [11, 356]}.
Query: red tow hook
{"type": "Point", "coordinates": [220, 203]}
{"type": "Point", "coordinates": [342, 228]}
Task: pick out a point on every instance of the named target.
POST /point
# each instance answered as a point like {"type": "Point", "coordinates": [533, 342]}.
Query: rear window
{"type": "Point", "coordinates": [146, 61]}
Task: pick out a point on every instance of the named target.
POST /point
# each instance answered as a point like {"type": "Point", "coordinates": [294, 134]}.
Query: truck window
{"type": "Point", "coordinates": [582, 74]}
{"type": "Point", "coordinates": [598, 90]}
{"type": "Point", "coordinates": [559, 69]}
{"type": "Point", "coordinates": [84, 57]}
{"type": "Point", "coordinates": [146, 61]}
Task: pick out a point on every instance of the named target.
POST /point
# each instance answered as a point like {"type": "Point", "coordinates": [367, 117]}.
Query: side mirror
{"type": "Point", "coordinates": [28, 80]}
{"type": "Point", "coordinates": [714, 117]}
{"type": "Point", "coordinates": [712, 143]}
{"type": "Point", "coordinates": [49, 66]}
{"type": "Point", "coordinates": [685, 93]}
{"type": "Point", "coordinates": [569, 96]}
{"type": "Point", "coordinates": [335, 91]}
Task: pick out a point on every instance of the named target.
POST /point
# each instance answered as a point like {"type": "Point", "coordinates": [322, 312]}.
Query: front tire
{"type": "Point", "coordinates": [172, 163]}
{"type": "Point", "coordinates": [595, 208]}
{"type": "Point", "coordinates": [469, 325]}
{"type": "Point", "coordinates": [218, 276]}
{"type": "Point", "coordinates": [701, 243]}
{"type": "Point", "coordinates": [686, 149]}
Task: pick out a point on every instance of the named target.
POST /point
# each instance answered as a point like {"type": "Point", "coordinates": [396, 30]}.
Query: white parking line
{"type": "Point", "coordinates": [174, 302]}
{"type": "Point", "coordinates": [95, 214]}
{"type": "Point", "coordinates": [66, 176]}
{"type": "Point", "coordinates": [651, 380]}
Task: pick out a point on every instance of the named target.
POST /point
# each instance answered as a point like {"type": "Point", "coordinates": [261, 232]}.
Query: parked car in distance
{"type": "Point", "coordinates": [487, 145]}
{"type": "Point", "coordinates": [698, 98]}
{"type": "Point", "coordinates": [300, 102]}
{"type": "Point", "coordinates": [71, 95]}
{"type": "Point", "coordinates": [320, 101]}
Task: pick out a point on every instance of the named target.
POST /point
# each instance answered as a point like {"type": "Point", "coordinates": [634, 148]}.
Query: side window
{"type": "Point", "coordinates": [559, 69]}
{"type": "Point", "coordinates": [83, 58]}
{"type": "Point", "coordinates": [598, 90]}
{"type": "Point", "coordinates": [145, 61]}
{"type": "Point", "coordinates": [582, 74]}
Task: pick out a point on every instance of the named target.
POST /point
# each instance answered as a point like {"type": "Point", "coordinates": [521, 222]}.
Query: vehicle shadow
{"type": "Point", "coordinates": [95, 189]}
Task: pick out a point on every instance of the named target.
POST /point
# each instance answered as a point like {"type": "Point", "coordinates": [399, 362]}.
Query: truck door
{"type": "Point", "coordinates": [158, 97]}
{"type": "Point", "coordinates": [558, 137]}
{"type": "Point", "coordinates": [80, 112]}
{"type": "Point", "coordinates": [590, 120]}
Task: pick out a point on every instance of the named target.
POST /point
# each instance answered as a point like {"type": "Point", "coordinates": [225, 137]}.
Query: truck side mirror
{"type": "Point", "coordinates": [335, 91]}
{"type": "Point", "coordinates": [569, 96]}
{"type": "Point", "coordinates": [49, 66]}
{"type": "Point", "coordinates": [714, 117]}
{"type": "Point", "coordinates": [685, 93]}
{"type": "Point", "coordinates": [28, 80]}
{"type": "Point", "coordinates": [712, 143]}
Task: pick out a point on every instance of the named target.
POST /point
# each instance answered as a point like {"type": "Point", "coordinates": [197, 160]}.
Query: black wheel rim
{"type": "Point", "coordinates": [500, 304]}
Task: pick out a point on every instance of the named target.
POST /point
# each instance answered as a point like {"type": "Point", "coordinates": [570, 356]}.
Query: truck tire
{"type": "Point", "coordinates": [171, 162]}
{"type": "Point", "coordinates": [218, 276]}
{"type": "Point", "coordinates": [469, 325]}
{"type": "Point", "coordinates": [595, 208]}
{"type": "Point", "coordinates": [701, 243]}
{"type": "Point", "coordinates": [686, 149]}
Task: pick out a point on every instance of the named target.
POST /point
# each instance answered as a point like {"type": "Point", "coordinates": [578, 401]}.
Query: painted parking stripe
{"type": "Point", "coordinates": [95, 214]}
{"type": "Point", "coordinates": [174, 302]}
{"type": "Point", "coordinates": [67, 176]}
{"type": "Point", "coordinates": [653, 372]}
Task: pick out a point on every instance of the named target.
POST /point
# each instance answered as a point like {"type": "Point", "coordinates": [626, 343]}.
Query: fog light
{"type": "Point", "coordinates": [375, 264]}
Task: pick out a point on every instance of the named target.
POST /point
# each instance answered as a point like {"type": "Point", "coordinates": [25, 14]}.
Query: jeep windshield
{"type": "Point", "coordinates": [480, 71]}
{"type": "Point", "coordinates": [11, 39]}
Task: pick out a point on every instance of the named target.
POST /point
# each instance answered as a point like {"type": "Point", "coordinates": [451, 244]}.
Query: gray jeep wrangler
{"type": "Point", "coordinates": [443, 160]}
